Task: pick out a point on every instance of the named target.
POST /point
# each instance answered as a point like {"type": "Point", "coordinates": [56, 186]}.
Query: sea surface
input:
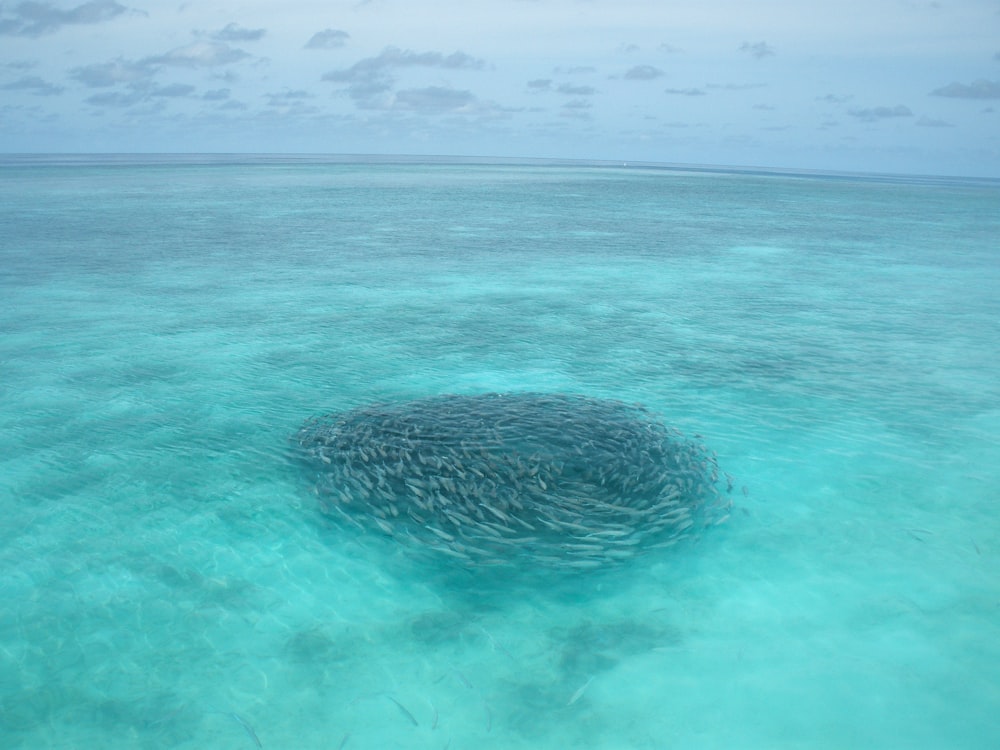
{"type": "Point", "coordinates": [168, 578]}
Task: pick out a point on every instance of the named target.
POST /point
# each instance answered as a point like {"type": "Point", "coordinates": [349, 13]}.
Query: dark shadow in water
{"type": "Point", "coordinates": [592, 647]}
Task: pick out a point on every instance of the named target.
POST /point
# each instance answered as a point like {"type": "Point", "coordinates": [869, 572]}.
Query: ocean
{"type": "Point", "coordinates": [170, 579]}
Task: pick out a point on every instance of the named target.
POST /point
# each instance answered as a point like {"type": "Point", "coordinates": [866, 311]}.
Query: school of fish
{"type": "Point", "coordinates": [558, 480]}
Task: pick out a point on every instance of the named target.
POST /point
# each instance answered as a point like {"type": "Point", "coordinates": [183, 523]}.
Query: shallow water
{"type": "Point", "coordinates": [169, 581]}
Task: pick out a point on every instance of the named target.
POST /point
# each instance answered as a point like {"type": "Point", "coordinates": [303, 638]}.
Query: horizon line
{"type": "Point", "coordinates": [482, 160]}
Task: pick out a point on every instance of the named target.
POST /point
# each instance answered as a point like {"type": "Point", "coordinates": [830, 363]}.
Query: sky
{"type": "Point", "coordinates": [893, 86]}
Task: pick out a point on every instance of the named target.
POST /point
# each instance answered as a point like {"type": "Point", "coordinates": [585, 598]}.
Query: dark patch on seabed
{"type": "Point", "coordinates": [592, 647]}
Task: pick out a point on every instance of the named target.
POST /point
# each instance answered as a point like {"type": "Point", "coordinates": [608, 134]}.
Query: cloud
{"type": "Point", "coordinates": [735, 86]}
{"type": "Point", "coordinates": [880, 113]}
{"type": "Point", "coordinates": [136, 76]}
{"type": "Point", "coordinates": [370, 78]}
{"type": "Point", "coordinates": [571, 90]}
{"type": "Point", "coordinates": [142, 91]}
{"type": "Point", "coordinates": [117, 98]}
{"type": "Point", "coordinates": [37, 18]}
{"type": "Point", "coordinates": [433, 100]}
{"type": "Point", "coordinates": [112, 73]}
{"type": "Point", "coordinates": [576, 108]}
{"type": "Point", "coordinates": [576, 70]}
{"type": "Point", "coordinates": [172, 90]}
{"type": "Point", "coordinates": [34, 85]}
{"type": "Point", "coordinates": [642, 73]}
{"type": "Point", "coordinates": [198, 55]}
{"type": "Point", "coordinates": [233, 32]}
{"type": "Point", "coordinates": [328, 39]}
{"type": "Point", "coordinates": [290, 103]}
{"type": "Point", "coordinates": [757, 50]}
{"type": "Point", "coordinates": [833, 99]}
{"type": "Point", "coordinates": [980, 89]}
{"type": "Point", "coordinates": [285, 98]}
{"type": "Point", "coordinates": [927, 122]}
{"type": "Point", "coordinates": [393, 57]}
{"type": "Point", "coordinates": [685, 92]}
{"type": "Point", "coordinates": [540, 85]}
{"type": "Point", "coordinates": [216, 95]}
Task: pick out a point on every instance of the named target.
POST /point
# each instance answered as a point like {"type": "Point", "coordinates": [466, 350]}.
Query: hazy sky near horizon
{"type": "Point", "coordinates": [872, 85]}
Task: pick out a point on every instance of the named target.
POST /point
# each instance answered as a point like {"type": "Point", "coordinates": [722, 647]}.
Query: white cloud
{"type": "Point", "coordinates": [433, 100]}
{"type": "Point", "coordinates": [928, 122]}
{"type": "Point", "coordinates": [370, 78]}
{"type": "Point", "coordinates": [757, 50]}
{"type": "Point", "coordinates": [328, 39]}
{"type": "Point", "coordinates": [285, 98]}
{"type": "Point", "coordinates": [735, 86]}
{"type": "Point", "coordinates": [642, 73]}
{"type": "Point", "coordinates": [33, 85]}
{"type": "Point", "coordinates": [199, 54]}
{"type": "Point", "coordinates": [871, 114]}
{"type": "Point", "coordinates": [576, 109]}
{"type": "Point", "coordinates": [233, 32]}
{"type": "Point", "coordinates": [117, 98]}
{"type": "Point", "coordinates": [33, 19]}
{"type": "Point", "coordinates": [173, 90]}
{"type": "Point", "coordinates": [111, 73]}
{"type": "Point", "coordinates": [981, 89]}
{"type": "Point", "coordinates": [572, 90]}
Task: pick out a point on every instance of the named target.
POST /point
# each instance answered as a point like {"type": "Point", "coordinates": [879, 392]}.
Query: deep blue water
{"type": "Point", "coordinates": [168, 579]}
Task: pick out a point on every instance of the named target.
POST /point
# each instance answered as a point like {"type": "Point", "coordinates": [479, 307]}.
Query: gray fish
{"type": "Point", "coordinates": [404, 710]}
{"type": "Point", "coordinates": [246, 726]}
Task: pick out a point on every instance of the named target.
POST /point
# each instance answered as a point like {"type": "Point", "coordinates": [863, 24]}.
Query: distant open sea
{"type": "Point", "coordinates": [168, 578]}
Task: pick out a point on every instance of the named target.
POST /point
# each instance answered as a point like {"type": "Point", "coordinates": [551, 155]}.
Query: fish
{"type": "Point", "coordinates": [443, 534]}
{"type": "Point", "coordinates": [462, 678]}
{"type": "Point", "coordinates": [246, 726]}
{"type": "Point", "coordinates": [404, 710]}
{"type": "Point", "coordinates": [580, 691]}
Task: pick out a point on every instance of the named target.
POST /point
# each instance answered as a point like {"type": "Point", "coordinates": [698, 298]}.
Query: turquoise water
{"type": "Point", "coordinates": [168, 579]}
